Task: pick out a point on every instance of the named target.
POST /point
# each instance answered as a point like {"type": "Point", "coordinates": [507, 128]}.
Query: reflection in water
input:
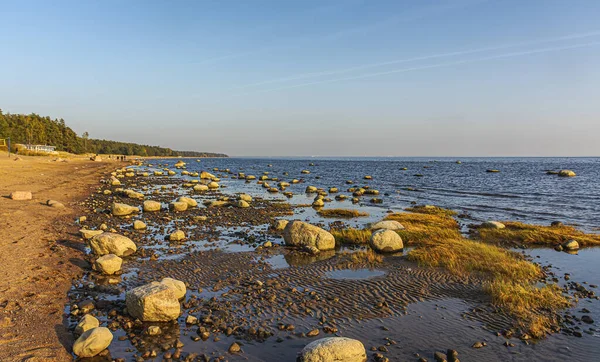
{"type": "Point", "coordinates": [297, 259]}
{"type": "Point", "coordinates": [354, 274]}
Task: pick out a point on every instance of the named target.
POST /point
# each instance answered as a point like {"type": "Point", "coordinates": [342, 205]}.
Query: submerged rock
{"type": "Point", "coordinates": [92, 342]}
{"type": "Point", "coordinates": [111, 243]}
{"type": "Point", "coordinates": [388, 225]}
{"type": "Point", "coordinates": [298, 233]}
{"type": "Point", "coordinates": [154, 302]}
{"type": "Point", "coordinates": [334, 349]}
{"type": "Point", "coordinates": [386, 241]}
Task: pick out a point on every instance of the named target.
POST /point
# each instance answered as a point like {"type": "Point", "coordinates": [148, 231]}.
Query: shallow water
{"type": "Point", "coordinates": [521, 191]}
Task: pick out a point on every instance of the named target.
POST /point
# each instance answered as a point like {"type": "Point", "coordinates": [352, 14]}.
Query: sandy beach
{"type": "Point", "coordinates": [39, 256]}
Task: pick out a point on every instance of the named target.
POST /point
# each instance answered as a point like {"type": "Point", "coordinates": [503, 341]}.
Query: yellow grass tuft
{"type": "Point", "coordinates": [535, 307]}
{"type": "Point", "coordinates": [464, 257]}
{"type": "Point", "coordinates": [347, 213]}
{"type": "Point", "coordinates": [351, 236]}
{"type": "Point", "coordinates": [431, 210]}
{"type": "Point", "coordinates": [421, 228]}
{"type": "Point", "coordinates": [517, 232]}
{"type": "Point", "coordinates": [359, 258]}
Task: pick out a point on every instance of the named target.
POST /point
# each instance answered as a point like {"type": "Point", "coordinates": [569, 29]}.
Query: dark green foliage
{"type": "Point", "coordinates": [36, 129]}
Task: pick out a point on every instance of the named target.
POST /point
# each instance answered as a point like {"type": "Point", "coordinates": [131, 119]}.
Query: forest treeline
{"type": "Point", "coordinates": [35, 129]}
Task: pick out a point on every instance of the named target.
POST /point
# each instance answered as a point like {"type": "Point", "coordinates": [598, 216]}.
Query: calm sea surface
{"type": "Point", "coordinates": [520, 191]}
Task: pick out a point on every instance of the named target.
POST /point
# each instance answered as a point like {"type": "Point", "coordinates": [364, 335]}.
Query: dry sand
{"type": "Point", "coordinates": [39, 254]}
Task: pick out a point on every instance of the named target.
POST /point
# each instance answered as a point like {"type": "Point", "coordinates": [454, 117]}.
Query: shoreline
{"type": "Point", "coordinates": [40, 255]}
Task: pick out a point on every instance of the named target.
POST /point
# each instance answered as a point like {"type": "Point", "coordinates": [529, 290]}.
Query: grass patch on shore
{"type": "Point", "coordinates": [464, 257]}
{"type": "Point", "coordinates": [359, 258]}
{"type": "Point", "coordinates": [346, 213]}
{"type": "Point", "coordinates": [508, 278]}
{"type": "Point", "coordinates": [431, 210]}
{"type": "Point", "coordinates": [517, 232]}
{"type": "Point", "coordinates": [351, 236]}
{"type": "Point", "coordinates": [535, 307]}
{"type": "Point", "coordinates": [421, 228]}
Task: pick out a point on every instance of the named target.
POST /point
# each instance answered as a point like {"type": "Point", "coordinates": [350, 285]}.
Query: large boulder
{"type": "Point", "coordinates": [92, 342]}
{"type": "Point", "coordinates": [108, 264]}
{"type": "Point", "coordinates": [571, 245]}
{"type": "Point", "coordinates": [119, 209]}
{"type": "Point", "coordinates": [21, 195]}
{"type": "Point", "coordinates": [150, 206]}
{"type": "Point", "coordinates": [386, 241]}
{"type": "Point", "coordinates": [111, 243]}
{"type": "Point", "coordinates": [154, 302]}
{"type": "Point", "coordinates": [177, 286]}
{"type": "Point", "coordinates": [298, 233]}
{"type": "Point", "coordinates": [334, 349]}
{"type": "Point", "coordinates": [387, 225]}
{"type": "Point", "coordinates": [188, 200]}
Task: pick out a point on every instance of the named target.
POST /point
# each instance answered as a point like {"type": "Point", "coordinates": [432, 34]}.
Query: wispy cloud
{"type": "Point", "coordinates": [419, 58]}
{"type": "Point", "coordinates": [439, 65]}
{"type": "Point", "coordinates": [417, 14]}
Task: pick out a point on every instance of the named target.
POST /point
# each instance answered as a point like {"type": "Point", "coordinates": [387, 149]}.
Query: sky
{"type": "Point", "coordinates": [312, 78]}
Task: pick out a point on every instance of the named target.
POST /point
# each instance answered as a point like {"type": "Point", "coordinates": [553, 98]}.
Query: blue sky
{"type": "Point", "coordinates": [345, 77]}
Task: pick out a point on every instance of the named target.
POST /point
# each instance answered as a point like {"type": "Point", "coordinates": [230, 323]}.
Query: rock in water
{"type": "Point", "coordinates": [86, 323]}
{"type": "Point", "coordinates": [21, 195]}
{"type": "Point", "coordinates": [213, 185]}
{"type": "Point", "coordinates": [109, 264]}
{"type": "Point", "coordinates": [334, 349]}
{"type": "Point", "coordinates": [207, 176]}
{"type": "Point", "coordinates": [92, 342]}
{"type": "Point", "coordinates": [188, 200]}
{"type": "Point", "coordinates": [388, 225]}
{"type": "Point", "coordinates": [566, 173]}
{"type": "Point", "coordinates": [150, 206]}
{"type": "Point", "coordinates": [111, 243]}
{"type": "Point", "coordinates": [178, 235]}
{"type": "Point", "coordinates": [298, 233]}
{"type": "Point", "coordinates": [139, 225]}
{"type": "Point", "coordinates": [386, 241]}
{"type": "Point", "coordinates": [493, 225]}
{"type": "Point", "coordinates": [154, 302]}
{"type": "Point", "coordinates": [119, 209]}
{"type": "Point", "coordinates": [200, 188]}
{"type": "Point", "coordinates": [177, 286]}
{"type": "Point", "coordinates": [242, 204]}
{"type": "Point", "coordinates": [178, 206]}
{"type": "Point", "coordinates": [571, 245]}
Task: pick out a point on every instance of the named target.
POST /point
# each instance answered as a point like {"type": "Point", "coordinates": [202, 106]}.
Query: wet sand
{"type": "Point", "coordinates": [39, 254]}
